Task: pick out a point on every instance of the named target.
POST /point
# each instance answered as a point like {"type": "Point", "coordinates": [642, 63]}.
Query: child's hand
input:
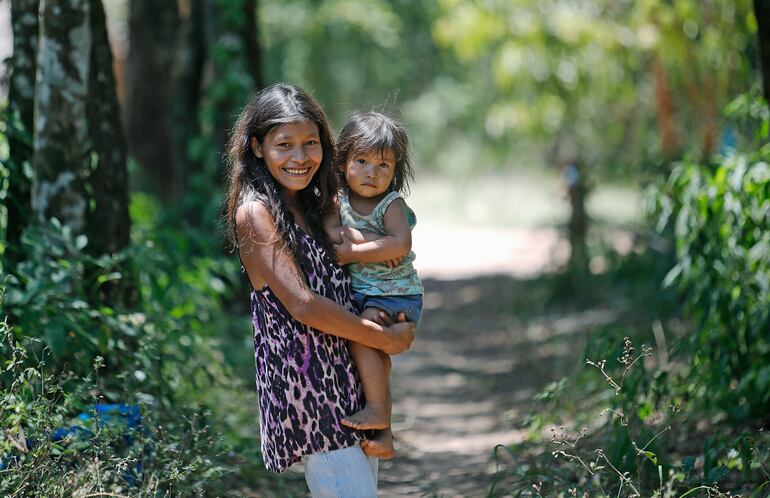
{"type": "Point", "coordinates": [395, 262]}
{"type": "Point", "coordinates": [344, 250]}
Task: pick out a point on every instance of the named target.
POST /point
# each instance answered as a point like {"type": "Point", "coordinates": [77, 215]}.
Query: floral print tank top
{"type": "Point", "coordinates": [306, 380]}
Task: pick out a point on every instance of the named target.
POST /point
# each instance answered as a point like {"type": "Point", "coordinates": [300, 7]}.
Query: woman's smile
{"type": "Point", "coordinates": [297, 171]}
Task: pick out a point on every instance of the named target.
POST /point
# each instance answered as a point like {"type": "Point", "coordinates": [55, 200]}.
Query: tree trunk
{"type": "Point", "coordinates": [61, 150]}
{"type": "Point", "coordinates": [21, 103]}
{"type": "Point", "coordinates": [108, 219]}
{"type": "Point", "coordinates": [577, 227]}
{"type": "Point", "coordinates": [250, 37]}
{"type": "Point", "coordinates": [191, 57]}
{"type": "Point", "coordinates": [226, 28]}
{"type": "Point", "coordinates": [762, 13]}
{"type": "Point", "coordinates": [664, 107]}
{"type": "Point", "coordinates": [153, 29]}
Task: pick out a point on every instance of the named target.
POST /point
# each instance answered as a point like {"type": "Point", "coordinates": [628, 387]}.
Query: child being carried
{"type": "Point", "coordinates": [371, 233]}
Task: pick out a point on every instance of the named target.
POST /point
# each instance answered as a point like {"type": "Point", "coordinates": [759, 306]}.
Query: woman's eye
{"type": "Point", "coordinates": [312, 142]}
{"type": "Point", "coordinates": [283, 145]}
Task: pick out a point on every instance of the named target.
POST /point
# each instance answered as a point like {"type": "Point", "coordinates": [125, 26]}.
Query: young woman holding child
{"type": "Point", "coordinates": [281, 185]}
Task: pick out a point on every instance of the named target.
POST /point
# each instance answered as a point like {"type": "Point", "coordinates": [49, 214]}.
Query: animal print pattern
{"type": "Point", "coordinates": [306, 380]}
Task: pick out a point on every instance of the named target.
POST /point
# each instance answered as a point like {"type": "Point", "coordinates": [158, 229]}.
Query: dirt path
{"type": "Point", "coordinates": [468, 382]}
{"type": "Point", "coordinates": [469, 379]}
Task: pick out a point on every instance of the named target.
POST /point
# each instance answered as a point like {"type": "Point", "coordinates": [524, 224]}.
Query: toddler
{"type": "Point", "coordinates": [371, 232]}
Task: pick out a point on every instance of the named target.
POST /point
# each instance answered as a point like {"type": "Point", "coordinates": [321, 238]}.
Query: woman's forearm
{"type": "Point", "coordinates": [329, 317]}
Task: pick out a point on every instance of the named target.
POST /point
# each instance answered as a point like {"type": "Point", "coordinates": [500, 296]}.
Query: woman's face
{"type": "Point", "coordinates": [292, 153]}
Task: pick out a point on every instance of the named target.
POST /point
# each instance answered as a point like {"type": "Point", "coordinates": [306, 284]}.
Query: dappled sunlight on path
{"type": "Point", "coordinates": [468, 382]}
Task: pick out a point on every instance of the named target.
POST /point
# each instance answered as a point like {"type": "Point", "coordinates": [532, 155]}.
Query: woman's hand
{"type": "Point", "coordinates": [400, 335]}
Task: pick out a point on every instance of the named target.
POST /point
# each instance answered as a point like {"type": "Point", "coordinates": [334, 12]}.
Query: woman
{"type": "Point", "coordinates": [280, 184]}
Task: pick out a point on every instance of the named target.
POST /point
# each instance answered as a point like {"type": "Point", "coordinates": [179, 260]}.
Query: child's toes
{"type": "Point", "coordinates": [351, 422]}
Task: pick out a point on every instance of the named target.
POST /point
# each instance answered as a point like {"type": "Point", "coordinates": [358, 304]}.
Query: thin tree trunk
{"type": "Point", "coordinates": [762, 13]}
{"type": "Point", "coordinates": [61, 151]}
{"type": "Point", "coordinates": [191, 56]}
{"type": "Point", "coordinates": [250, 37]}
{"type": "Point", "coordinates": [108, 219]}
{"type": "Point", "coordinates": [153, 29]}
{"type": "Point", "coordinates": [664, 106]}
{"type": "Point", "coordinates": [21, 104]}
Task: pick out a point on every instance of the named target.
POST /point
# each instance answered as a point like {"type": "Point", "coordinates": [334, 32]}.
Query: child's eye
{"type": "Point", "coordinates": [361, 161]}
{"type": "Point", "coordinates": [283, 145]}
{"type": "Point", "coordinates": [384, 165]}
{"type": "Point", "coordinates": [312, 142]}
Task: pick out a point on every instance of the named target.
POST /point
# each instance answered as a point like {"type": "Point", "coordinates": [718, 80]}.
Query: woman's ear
{"type": "Point", "coordinates": [255, 147]}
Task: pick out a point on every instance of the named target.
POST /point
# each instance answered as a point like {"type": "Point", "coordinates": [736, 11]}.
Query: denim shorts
{"type": "Point", "coordinates": [411, 305]}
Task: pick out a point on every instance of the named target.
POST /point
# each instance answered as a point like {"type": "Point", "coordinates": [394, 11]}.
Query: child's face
{"type": "Point", "coordinates": [292, 153]}
{"type": "Point", "coordinates": [370, 174]}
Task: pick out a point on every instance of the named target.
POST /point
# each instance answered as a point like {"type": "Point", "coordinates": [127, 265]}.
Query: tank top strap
{"type": "Point", "coordinates": [379, 210]}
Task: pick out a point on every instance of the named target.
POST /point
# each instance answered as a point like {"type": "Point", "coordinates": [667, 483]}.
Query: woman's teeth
{"type": "Point", "coordinates": [298, 172]}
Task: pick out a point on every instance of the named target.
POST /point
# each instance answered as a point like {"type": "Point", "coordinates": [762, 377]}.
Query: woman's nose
{"type": "Point", "coordinates": [298, 154]}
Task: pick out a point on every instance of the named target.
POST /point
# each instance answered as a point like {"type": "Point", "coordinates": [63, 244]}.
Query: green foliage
{"type": "Point", "coordinates": [163, 353]}
{"type": "Point", "coordinates": [582, 75]}
{"type": "Point", "coordinates": [634, 443]}
{"type": "Point", "coordinates": [53, 292]}
{"type": "Point", "coordinates": [720, 216]}
{"type": "Point", "coordinates": [171, 453]}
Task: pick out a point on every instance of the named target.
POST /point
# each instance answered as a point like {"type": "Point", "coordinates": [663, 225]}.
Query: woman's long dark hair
{"type": "Point", "coordinates": [248, 178]}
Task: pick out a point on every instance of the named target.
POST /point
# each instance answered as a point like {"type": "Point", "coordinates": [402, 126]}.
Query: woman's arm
{"type": "Point", "coordinates": [396, 242]}
{"type": "Point", "coordinates": [268, 262]}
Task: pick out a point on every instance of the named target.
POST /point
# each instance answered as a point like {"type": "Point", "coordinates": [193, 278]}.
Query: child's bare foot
{"type": "Point", "coordinates": [381, 446]}
{"type": "Point", "coordinates": [373, 416]}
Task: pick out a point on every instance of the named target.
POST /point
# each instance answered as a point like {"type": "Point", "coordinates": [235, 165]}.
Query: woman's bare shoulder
{"type": "Point", "coordinates": [255, 219]}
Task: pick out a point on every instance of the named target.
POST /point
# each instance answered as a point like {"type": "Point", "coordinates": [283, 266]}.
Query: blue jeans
{"type": "Point", "coordinates": [344, 473]}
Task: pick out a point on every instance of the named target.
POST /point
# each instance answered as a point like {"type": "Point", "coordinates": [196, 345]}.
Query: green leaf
{"type": "Point", "coordinates": [717, 474]}
{"type": "Point", "coordinates": [651, 456]}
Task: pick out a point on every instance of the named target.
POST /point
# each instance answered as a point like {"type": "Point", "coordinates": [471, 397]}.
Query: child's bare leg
{"type": "Point", "coordinates": [376, 413]}
{"type": "Point", "coordinates": [381, 445]}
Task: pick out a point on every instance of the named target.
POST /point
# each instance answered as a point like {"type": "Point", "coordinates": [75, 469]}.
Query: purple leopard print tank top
{"type": "Point", "coordinates": [306, 380]}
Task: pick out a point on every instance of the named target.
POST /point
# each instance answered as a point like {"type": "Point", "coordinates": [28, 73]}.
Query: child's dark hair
{"type": "Point", "coordinates": [367, 132]}
{"type": "Point", "coordinates": [248, 178]}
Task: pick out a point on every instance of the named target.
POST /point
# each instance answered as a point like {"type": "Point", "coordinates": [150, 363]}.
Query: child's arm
{"type": "Point", "coordinates": [395, 244]}
{"type": "Point", "coordinates": [334, 229]}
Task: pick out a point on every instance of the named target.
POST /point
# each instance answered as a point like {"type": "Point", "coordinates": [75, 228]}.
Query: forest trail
{"type": "Point", "coordinates": [470, 374]}
{"type": "Point", "coordinates": [468, 382]}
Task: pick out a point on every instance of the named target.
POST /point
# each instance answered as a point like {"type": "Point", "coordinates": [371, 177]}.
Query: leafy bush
{"type": "Point", "coordinates": [161, 354]}
{"type": "Point", "coordinates": [44, 451]}
{"type": "Point", "coordinates": [720, 217]}
{"type": "Point", "coordinates": [634, 443]}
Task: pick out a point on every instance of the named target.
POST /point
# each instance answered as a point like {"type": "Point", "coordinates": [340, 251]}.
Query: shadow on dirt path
{"type": "Point", "coordinates": [469, 379]}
